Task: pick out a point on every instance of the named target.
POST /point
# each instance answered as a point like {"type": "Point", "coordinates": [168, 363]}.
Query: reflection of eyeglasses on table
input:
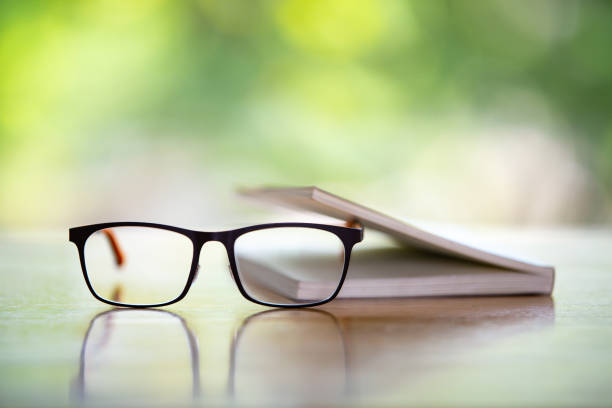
{"type": "Point", "coordinates": [140, 264]}
{"type": "Point", "coordinates": [120, 361]}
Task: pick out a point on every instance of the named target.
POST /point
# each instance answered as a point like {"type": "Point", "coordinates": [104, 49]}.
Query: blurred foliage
{"type": "Point", "coordinates": [300, 91]}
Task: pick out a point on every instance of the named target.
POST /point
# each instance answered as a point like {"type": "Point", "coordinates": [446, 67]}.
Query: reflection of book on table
{"type": "Point", "coordinates": [427, 265]}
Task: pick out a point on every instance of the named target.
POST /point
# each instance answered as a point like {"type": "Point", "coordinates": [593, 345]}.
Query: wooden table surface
{"type": "Point", "coordinates": [60, 347]}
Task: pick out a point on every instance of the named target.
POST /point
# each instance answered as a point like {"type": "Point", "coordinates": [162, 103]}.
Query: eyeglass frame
{"type": "Point", "coordinates": [349, 236]}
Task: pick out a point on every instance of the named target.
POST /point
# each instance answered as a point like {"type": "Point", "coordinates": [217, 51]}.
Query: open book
{"type": "Point", "coordinates": [426, 264]}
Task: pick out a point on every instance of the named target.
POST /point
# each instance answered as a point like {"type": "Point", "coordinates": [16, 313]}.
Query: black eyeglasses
{"type": "Point", "coordinates": [138, 264]}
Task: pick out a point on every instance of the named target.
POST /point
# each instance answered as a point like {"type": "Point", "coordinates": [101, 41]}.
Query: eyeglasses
{"type": "Point", "coordinates": [139, 264]}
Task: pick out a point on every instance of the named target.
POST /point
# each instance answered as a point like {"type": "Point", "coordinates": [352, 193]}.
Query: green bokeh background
{"type": "Point", "coordinates": [463, 111]}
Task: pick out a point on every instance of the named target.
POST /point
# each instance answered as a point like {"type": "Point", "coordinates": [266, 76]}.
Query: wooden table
{"type": "Point", "coordinates": [60, 347]}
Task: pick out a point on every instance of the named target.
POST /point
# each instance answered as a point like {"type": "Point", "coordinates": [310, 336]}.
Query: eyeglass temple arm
{"type": "Point", "coordinates": [353, 223]}
{"type": "Point", "coordinates": [112, 240]}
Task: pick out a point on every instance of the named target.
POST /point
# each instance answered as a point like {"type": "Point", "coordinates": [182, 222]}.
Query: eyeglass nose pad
{"type": "Point", "coordinates": [195, 276]}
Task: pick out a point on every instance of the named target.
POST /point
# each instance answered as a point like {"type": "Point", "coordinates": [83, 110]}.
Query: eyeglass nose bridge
{"type": "Point", "coordinates": [204, 237]}
{"type": "Point", "coordinates": [224, 237]}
